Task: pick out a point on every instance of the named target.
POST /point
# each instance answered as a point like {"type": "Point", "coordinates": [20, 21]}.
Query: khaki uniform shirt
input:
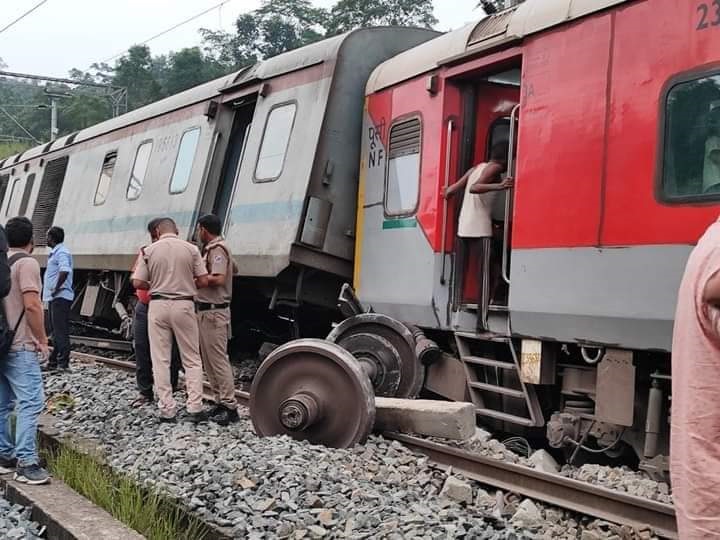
{"type": "Point", "coordinates": [218, 261]}
{"type": "Point", "coordinates": [25, 277]}
{"type": "Point", "coordinates": [170, 266]}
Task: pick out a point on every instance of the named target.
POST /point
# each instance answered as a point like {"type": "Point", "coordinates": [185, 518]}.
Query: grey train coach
{"type": "Point", "coordinates": [272, 149]}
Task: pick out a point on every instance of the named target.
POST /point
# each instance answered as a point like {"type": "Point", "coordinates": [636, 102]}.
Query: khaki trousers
{"type": "Point", "coordinates": [214, 325]}
{"type": "Point", "coordinates": [165, 319]}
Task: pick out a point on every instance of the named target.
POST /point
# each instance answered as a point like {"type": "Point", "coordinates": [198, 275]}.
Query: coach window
{"type": "Point", "coordinates": [29, 183]}
{"type": "Point", "coordinates": [137, 176]}
{"type": "Point", "coordinates": [691, 157]}
{"type": "Point", "coordinates": [184, 161]}
{"type": "Point", "coordinates": [103, 185]}
{"type": "Point", "coordinates": [402, 177]}
{"type": "Point", "coordinates": [13, 197]}
{"type": "Point", "coordinates": [276, 138]}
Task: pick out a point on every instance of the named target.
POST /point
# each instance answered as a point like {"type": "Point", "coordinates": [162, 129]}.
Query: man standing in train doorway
{"type": "Point", "coordinates": [475, 229]}
{"type": "Point", "coordinates": [213, 312]}
{"type": "Point", "coordinates": [59, 295]}
{"type": "Point", "coordinates": [172, 269]}
{"type": "Point", "coordinates": [695, 419]}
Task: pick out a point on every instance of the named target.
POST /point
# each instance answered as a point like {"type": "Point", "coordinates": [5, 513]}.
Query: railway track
{"type": "Point", "coordinates": [566, 493]}
{"type": "Point", "coordinates": [102, 343]}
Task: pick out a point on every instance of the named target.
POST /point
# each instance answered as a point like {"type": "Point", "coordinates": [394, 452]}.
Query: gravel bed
{"type": "Point", "coordinates": [281, 488]}
{"type": "Point", "coordinates": [621, 479]}
{"type": "Point", "coordinates": [272, 487]}
{"type": "Point", "coordinates": [15, 523]}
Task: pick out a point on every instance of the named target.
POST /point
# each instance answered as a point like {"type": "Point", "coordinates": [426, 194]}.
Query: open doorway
{"type": "Point", "coordinates": [233, 159]}
{"type": "Point", "coordinates": [482, 262]}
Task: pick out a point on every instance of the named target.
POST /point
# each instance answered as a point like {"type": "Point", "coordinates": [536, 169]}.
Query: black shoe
{"type": "Point", "coordinates": [216, 409]}
{"type": "Point", "coordinates": [49, 368]}
{"type": "Point", "coordinates": [225, 417]}
{"type": "Point", "coordinates": [198, 417]}
{"type": "Point", "coordinates": [32, 474]}
{"type": "Point", "coordinates": [167, 419]}
{"type": "Point", "coordinates": [7, 465]}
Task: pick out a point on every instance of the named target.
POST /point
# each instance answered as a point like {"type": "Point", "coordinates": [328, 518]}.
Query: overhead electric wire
{"type": "Point", "coordinates": [21, 17]}
{"type": "Point", "coordinates": [19, 124]}
{"type": "Point", "coordinates": [178, 25]}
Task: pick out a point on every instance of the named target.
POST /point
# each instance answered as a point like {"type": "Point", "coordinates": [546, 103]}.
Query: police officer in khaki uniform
{"type": "Point", "coordinates": [213, 313]}
{"type": "Point", "coordinates": [173, 270]}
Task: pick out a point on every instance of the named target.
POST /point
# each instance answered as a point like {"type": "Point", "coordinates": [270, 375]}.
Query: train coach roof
{"type": "Point", "coordinates": [503, 27]}
{"type": "Point", "coordinates": [309, 55]}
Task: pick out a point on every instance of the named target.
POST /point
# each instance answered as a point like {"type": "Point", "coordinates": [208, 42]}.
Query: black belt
{"type": "Point", "coordinates": [163, 297]}
{"type": "Point", "coordinates": [204, 306]}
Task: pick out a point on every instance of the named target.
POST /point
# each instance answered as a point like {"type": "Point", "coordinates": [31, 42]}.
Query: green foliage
{"type": "Point", "coordinates": [349, 14]}
{"type": "Point", "coordinates": [147, 513]}
{"type": "Point", "coordinates": [11, 148]}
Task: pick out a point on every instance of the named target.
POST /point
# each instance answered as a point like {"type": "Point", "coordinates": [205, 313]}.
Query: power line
{"type": "Point", "coordinates": [19, 124]}
{"type": "Point", "coordinates": [21, 17]}
{"type": "Point", "coordinates": [178, 25]}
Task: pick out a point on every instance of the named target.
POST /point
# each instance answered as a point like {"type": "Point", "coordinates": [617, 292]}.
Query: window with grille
{"type": "Point", "coordinates": [4, 181]}
{"type": "Point", "coordinates": [140, 167]}
{"type": "Point", "coordinates": [47, 201]}
{"type": "Point", "coordinates": [11, 211]}
{"type": "Point", "coordinates": [106, 173]}
{"type": "Point", "coordinates": [29, 184]}
{"type": "Point", "coordinates": [402, 177]}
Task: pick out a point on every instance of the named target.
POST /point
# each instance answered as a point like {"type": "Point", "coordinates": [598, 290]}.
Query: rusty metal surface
{"type": "Point", "coordinates": [412, 372]}
{"type": "Point", "coordinates": [615, 393]}
{"type": "Point", "coordinates": [567, 493]}
{"type": "Point", "coordinates": [313, 390]}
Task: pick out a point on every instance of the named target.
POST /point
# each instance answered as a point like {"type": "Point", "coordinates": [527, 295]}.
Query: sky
{"type": "Point", "coordinates": [65, 34]}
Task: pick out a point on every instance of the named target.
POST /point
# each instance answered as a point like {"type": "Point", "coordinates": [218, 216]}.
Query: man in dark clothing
{"type": "Point", "coordinates": [141, 342]}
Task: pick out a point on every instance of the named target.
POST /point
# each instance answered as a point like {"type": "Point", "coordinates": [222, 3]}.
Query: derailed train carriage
{"type": "Point", "coordinates": [610, 108]}
{"type": "Point", "coordinates": [272, 149]}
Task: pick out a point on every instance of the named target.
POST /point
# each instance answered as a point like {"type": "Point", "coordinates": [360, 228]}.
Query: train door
{"type": "Point", "coordinates": [233, 158]}
{"type": "Point", "coordinates": [483, 265]}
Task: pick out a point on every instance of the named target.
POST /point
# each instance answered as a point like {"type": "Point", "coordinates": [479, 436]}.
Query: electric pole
{"type": "Point", "coordinates": [54, 96]}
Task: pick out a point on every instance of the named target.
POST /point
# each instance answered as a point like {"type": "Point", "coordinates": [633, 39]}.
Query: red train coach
{"type": "Point", "coordinates": [612, 112]}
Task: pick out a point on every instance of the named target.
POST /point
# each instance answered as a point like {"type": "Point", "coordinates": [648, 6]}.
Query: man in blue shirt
{"type": "Point", "coordinates": [58, 293]}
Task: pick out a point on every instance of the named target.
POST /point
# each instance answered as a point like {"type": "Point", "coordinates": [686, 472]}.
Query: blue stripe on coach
{"type": "Point", "coordinates": [245, 213]}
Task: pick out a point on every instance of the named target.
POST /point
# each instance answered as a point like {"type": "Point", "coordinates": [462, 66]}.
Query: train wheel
{"type": "Point", "coordinates": [385, 348]}
{"type": "Point", "coordinates": [313, 390]}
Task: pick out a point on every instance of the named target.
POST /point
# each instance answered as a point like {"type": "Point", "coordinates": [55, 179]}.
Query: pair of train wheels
{"type": "Point", "coordinates": [323, 391]}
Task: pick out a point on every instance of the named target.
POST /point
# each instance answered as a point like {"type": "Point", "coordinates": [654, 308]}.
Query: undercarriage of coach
{"type": "Point", "coordinates": [581, 403]}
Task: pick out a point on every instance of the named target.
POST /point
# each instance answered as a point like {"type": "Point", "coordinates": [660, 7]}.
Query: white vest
{"type": "Point", "coordinates": [476, 212]}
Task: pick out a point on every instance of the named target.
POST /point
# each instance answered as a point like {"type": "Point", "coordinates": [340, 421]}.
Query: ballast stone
{"type": "Point", "coordinates": [544, 462]}
{"type": "Point", "coordinates": [445, 419]}
{"type": "Point", "coordinates": [457, 490]}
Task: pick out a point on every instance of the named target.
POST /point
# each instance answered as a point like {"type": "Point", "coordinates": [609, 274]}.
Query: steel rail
{"type": "Point", "coordinates": [101, 343]}
{"type": "Point", "coordinates": [581, 497]}
{"type": "Point", "coordinates": [567, 493]}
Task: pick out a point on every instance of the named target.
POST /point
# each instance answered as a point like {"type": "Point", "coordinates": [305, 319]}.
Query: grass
{"type": "Point", "coordinates": [146, 512]}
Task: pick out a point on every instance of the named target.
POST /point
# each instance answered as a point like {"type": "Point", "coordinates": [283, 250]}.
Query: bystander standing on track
{"type": "Point", "coordinates": [58, 294]}
{"type": "Point", "coordinates": [21, 384]}
{"type": "Point", "coordinates": [172, 269]}
{"type": "Point", "coordinates": [695, 419]}
{"type": "Point", "coordinates": [213, 313]}
{"type": "Point", "coordinates": [141, 340]}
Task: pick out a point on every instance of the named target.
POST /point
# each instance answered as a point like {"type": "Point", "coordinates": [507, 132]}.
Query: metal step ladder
{"type": "Point", "coordinates": [479, 371]}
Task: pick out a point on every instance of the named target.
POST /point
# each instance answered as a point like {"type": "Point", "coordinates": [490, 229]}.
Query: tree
{"type": "Point", "coordinates": [187, 68]}
{"type": "Point", "coordinates": [134, 71]}
{"type": "Point", "coordinates": [347, 15]}
{"type": "Point", "coordinates": [277, 26]}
